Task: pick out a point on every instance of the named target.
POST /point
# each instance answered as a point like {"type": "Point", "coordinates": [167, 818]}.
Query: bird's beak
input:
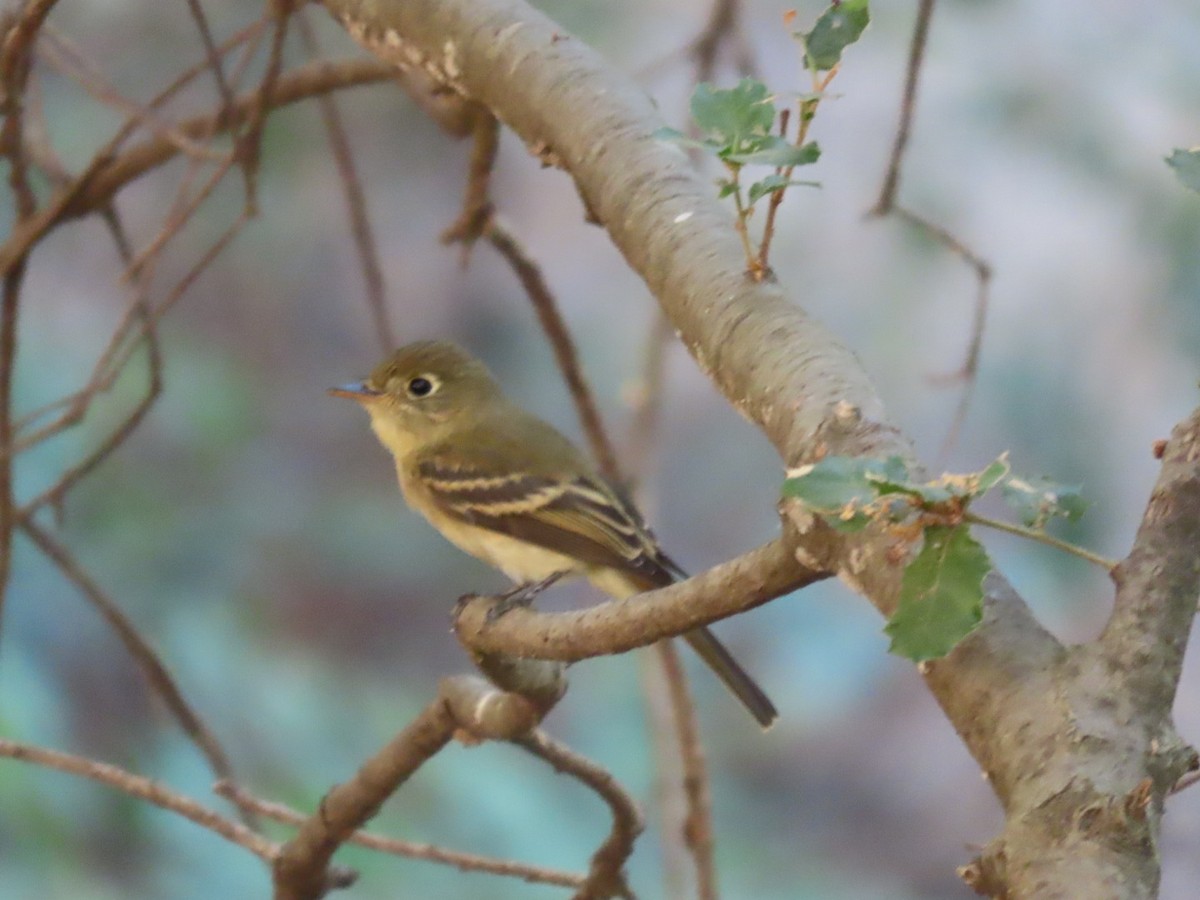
{"type": "Point", "coordinates": [356, 390]}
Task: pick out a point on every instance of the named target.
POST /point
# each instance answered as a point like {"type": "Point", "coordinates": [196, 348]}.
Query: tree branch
{"type": "Point", "coordinates": [463, 702]}
{"type": "Point", "coordinates": [301, 870]}
{"type": "Point", "coordinates": [464, 862]}
{"type": "Point", "coordinates": [112, 172]}
{"type": "Point", "coordinates": [1158, 582]}
{"type": "Point", "coordinates": [606, 877]}
{"type": "Point", "coordinates": [144, 789]}
{"type": "Point", "coordinates": [617, 626]}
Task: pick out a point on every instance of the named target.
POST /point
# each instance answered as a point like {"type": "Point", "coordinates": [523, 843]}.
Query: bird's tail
{"type": "Point", "coordinates": [734, 677]}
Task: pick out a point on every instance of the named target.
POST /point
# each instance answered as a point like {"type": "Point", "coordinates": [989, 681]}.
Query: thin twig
{"type": "Point", "coordinates": [478, 218]}
{"type": "Point", "coordinates": [465, 862]}
{"type": "Point", "coordinates": [968, 373]}
{"type": "Point", "coordinates": [645, 397]}
{"type": "Point", "coordinates": [180, 215]}
{"type": "Point", "coordinates": [62, 202]}
{"type": "Point", "coordinates": [157, 676]}
{"type": "Point", "coordinates": [723, 28]}
{"type": "Point", "coordinates": [606, 877]}
{"type": "Point", "coordinates": [116, 362]}
{"type": "Point", "coordinates": [108, 172]}
{"type": "Point", "coordinates": [698, 834]}
{"type": "Point", "coordinates": [144, 789]}
{"type": "Point", "coordinates": [560, 339]}
{"type": "Point", "coordinates": [249, 144]}
{"type": "Point", "coordinates": [61, 53]}
{"type": "Point", "coordinates": [916, 56]}
{"type": "Point", "coordinates": [806, 110]}
{"type": "Point", "coordinates": [212, 54]}
{"type": "Point", "coordinates": [1042, 537]}
{"type": "Point", "coordinates": [356, 201]}
{"type": "Point", "coordinates": [53, 495]}
{"type": "Point", "coordinates": [477, 209]}
{"type": "Point", "coordinates": [669, 804]}
{"type": "Point", "coordinates": [468, 705]}
{"type": "Point", "coordinates": [16, 61]}
{"type": "Point", "coordinates": [113, 362]}
{"type": "Point", "coordinates": [886, 204]}
{"type": "Point", "coordinates": [9, 304]}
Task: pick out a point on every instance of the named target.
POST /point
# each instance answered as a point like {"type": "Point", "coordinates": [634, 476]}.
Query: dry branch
{"type": "Point", "coordinates": [144, 789]}
{"type": "Point", "coordinates": [617, 626]}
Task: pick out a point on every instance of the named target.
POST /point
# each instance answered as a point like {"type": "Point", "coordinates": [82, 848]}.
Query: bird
{"type": "Point", "coordinates": [511, 490]}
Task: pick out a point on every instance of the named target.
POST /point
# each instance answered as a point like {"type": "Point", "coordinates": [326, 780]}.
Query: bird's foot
{"type": "Point", "coordinates": [521, 596]}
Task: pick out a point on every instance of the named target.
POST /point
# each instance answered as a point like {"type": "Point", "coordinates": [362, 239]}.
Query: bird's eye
{"type": "Point", "coordinates": [421, 386]}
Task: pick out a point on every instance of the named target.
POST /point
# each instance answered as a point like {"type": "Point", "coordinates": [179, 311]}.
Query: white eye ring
{"type": "Point", "coordinates": [420, 386]}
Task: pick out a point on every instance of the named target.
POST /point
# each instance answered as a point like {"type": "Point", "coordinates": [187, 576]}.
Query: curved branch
{"type": "Point", "coordinates": [606, 877]}
{"type": "Point", "coordinates": [617, 626]}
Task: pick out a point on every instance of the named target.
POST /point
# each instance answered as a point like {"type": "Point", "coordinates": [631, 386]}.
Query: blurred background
{"type": "Point", "coordinates": [252, 529]}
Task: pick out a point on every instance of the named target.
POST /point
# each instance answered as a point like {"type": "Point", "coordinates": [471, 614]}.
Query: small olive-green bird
{"type": "Point", "coordinates": [509, 489]}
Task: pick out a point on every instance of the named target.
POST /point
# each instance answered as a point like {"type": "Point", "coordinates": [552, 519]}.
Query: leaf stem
{"type": "Point", "coordinates": [807, 110]}
{"type": "Point", "coordinates": [743, 214]}
{"type": "Point", "coordinates": [1035, 534]}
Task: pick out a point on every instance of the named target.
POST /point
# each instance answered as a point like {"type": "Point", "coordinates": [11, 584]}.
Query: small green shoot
{"type": "Point", "coordinates": [741, 126]}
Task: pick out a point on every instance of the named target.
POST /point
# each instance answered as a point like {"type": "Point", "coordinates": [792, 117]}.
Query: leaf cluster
{"type": "Point", "coordinates": [741, 126]}
{"type": "Point", "coordinates": [737, 127]}
{"type": "Point", "coordinates": [941, 593]}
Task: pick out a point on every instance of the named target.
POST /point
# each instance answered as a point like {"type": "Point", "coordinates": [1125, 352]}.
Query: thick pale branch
{"type": "Point", "coordinates": [1158, 583]}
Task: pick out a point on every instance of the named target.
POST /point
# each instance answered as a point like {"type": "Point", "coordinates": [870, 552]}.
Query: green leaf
{"type": "Point", "coordinates": [773, 150]}
{"type": "Point", "coordinates": [1186, 164]}
{"type": "Point", "coordinates": [839, 487]}
{"type": "Point", "coordinates": [1037, 500]}
{"type": "Point", "coordinates": [773, 183]}
{"type": "Point", "coordinates": [894, 478]}
{"type": "Point", "coordinates": [726, 188]}
{"type": "Point", "coordinates": [768, 185]}
{"type": "Point", "coordinates": [941, 594]}
{"type": "Point", "coordinates": [734, 115]}
{"type": "Point", "coordinates": [992, 475]}
{"type": "Point", "coordinates": [833, 483]}
{"type": "Point", "coordinates": [836, 28]}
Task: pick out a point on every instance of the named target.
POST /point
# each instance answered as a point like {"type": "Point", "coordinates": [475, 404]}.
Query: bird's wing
{"type": "Point", "coordinates": [581, 516]}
